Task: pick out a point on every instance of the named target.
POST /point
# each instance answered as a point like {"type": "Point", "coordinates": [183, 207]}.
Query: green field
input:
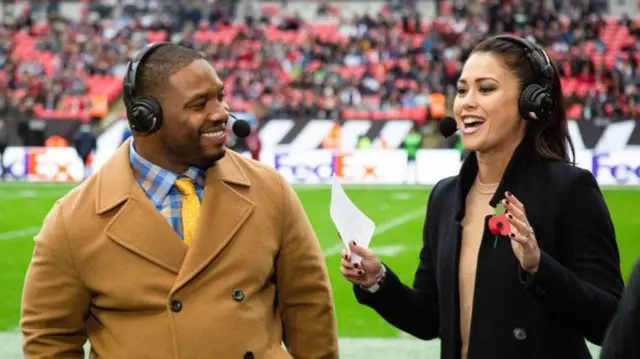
{"type": "Point", "coordinates": [397, 210]}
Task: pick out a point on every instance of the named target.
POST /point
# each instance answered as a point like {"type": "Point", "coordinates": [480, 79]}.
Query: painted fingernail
{"type": "Point", "coordinates": [360, 272]}
{"type": "Point", "coordinates": [507, 201]}
{"type": "Point", "coordinates": [512, 235]}
{"type": "Point", "coordinates": [510, 216]}
{"type": "Point", "coordinates": [353, 242]}
{"type": "Point", "coordinates": [356, 265]}
{"type": "Point", "coordinates": [509, 194]}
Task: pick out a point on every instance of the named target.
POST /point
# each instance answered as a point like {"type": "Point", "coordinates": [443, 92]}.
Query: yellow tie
{"type": "Point", "coordinates": [190, 207]}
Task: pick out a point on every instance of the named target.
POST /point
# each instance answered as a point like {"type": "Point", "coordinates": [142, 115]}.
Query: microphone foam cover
{"type": "Point", "coordinates": [447, 126]}
{"type": "Point", "coordinates": [241, 128]}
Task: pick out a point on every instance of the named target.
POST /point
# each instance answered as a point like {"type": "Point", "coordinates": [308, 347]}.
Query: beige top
{"type": "Point", "coordinates": [476, 209]}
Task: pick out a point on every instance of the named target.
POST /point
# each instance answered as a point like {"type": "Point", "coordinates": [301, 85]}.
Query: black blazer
{"type": "Point", "coordinates": [623, 339]}
{"type": "Point", "coordinates": [573, 296]}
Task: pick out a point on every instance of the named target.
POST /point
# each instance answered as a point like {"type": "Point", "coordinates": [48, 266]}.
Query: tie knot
{"type": "Point", "coordinates": [185, 186]}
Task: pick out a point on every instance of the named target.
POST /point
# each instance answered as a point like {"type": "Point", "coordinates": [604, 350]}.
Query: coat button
{"type": "Point", "coordinates": [248, 355]}
{"type": "Point", "coordinates": [540, 290]}
{"type": "Point", "coordinates": [238, 296]}
{"type": "Point", "coordinates": [520, 334]}
{"type": "Point", "coordinates": [176, 305]}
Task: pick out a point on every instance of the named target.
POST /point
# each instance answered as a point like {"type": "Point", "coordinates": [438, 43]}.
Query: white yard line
{"type": "Point", "coordinates": [335, 249]}
{"type": "Point", "coordinates": [13, 195]}
{"type": "Point", "coordinates": [382, 228]}
{"type": "Point", "coordinates": [398, 221]}
{"type": "Point", "coordinates": [18, 233]}
{"type": "Point", "coordinates": [25, 184]}
{"type": "Point", "coordinates": [357, 187]}
{"type": "Point", "coordinates": [352, 348]}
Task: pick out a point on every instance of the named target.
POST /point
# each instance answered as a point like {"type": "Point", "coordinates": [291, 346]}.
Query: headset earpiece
{"type": "Point", "coordinates": [535, 102]}
{"type": "Point", "coordinates": [143, 112]}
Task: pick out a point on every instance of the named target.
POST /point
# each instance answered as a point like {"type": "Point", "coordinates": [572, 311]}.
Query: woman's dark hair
{"type": "Point", "coordinates": [550, 136]}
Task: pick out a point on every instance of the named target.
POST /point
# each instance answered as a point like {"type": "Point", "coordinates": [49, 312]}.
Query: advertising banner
{"type": "Point", "coordinates": [620, 168]}
{"type": "Point", "coordinates": [371, 166]}
{"type": "Point", "coordinates": [54, 164]}
{"type": "Point", "coordinates": [304, 133]}
{"type": "Point", "coordinates": [318, 166]}
{"type": "Point", "coordinates": [434, 165]}
{"type": "Point", "coordinates": [14, 163]}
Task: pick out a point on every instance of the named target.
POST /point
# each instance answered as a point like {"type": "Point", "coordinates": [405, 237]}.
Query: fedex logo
{"type": "Point", "coordinates": [14, 161]}
{"type": "Point", "coordinates": [298, 169]}
{"type": "Point", "coordinates": [619, 169]}
{"type": "Point", "coordinates": [319, 166]}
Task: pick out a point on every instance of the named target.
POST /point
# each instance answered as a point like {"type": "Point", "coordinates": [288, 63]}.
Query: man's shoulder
{"type": "Point", "coordinates": [80, 199]}
{"type": "Point", "coordinates": [256, 171]}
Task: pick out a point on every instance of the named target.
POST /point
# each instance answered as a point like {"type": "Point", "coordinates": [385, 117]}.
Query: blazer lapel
{"type": "Point", "coordinates": [516, 177]}
{"type": "Point", "coordinates": [223, 212]}
{"type": "Point", "coordinates": [136, 225]}
{"type": "Point", "coordinates": [519, 172]}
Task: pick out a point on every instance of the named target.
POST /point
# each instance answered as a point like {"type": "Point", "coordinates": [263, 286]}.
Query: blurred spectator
{"type": "Point", "coordinates": [85, 144]}
{"type": "Point", "coordinates": [4, 142]}
{"type": "Point", "coordinates": [412, 143]}
{"type": "Point", "coordinates": [394, 62]}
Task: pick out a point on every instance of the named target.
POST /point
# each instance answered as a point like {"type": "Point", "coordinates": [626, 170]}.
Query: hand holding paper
{"type": "Point", "coordinates": [352, 224]}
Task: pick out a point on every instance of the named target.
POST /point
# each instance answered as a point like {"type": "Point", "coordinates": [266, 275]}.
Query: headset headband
{"type": "Point", "coordinates": [131, 76]}
{"type": "Point", "coordinates": [537, 57]}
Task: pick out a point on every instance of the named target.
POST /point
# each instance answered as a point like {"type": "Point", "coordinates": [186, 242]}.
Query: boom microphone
{"type": "Point", "coordinates": [240, 127]}
{"type": "Point", "coordinates": [447, 126]}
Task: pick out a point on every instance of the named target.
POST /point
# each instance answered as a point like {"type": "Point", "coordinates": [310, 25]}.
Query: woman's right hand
{"type": "Point", "coordinates": [364, 274]}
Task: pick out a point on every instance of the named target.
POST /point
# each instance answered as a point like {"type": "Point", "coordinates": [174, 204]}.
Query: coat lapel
{"type": "Point", "coordinates": [519, 172]}
{"type": "Point", "coordinates": [223, 212]}
{"type": "Point", "coordinates": [515, 179]}
{"type": "Point", "coordinates": [136, 225]}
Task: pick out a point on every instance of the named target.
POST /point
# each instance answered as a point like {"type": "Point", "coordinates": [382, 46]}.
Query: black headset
{"type": "Point", "coordinates": [143, 112]}
{"type": "Point", "coordinates": [536, 102]}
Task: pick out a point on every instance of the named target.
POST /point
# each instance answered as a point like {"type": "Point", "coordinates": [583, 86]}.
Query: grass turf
{"type": "Point", "coordinates": [397, 210]}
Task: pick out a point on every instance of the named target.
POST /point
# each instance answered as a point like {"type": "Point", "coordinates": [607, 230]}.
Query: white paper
{"type": "Point", "coordinates": [352, 224]}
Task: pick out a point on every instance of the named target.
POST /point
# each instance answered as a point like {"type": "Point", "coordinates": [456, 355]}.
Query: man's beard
{"type": "Point", "coordinates": [205, 163]}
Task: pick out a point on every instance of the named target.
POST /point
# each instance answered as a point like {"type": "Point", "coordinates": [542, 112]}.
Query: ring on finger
{"type": "Point", "coordinates": [529, 232]}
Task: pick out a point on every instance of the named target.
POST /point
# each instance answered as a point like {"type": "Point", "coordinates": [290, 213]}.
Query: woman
{"type": "Point", "coordinates": [553, 278]}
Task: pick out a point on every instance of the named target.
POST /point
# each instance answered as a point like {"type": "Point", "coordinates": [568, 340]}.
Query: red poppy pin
{"type": "Point", "coordinates": [498, 223]}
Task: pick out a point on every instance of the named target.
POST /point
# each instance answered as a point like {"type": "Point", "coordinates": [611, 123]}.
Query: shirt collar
{"type": "Point", "coordinates": [158, 182]}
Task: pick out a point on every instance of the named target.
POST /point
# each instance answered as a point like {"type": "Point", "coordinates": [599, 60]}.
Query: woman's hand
{"type": "Point", "coordinates": [523, 239]}
{"type": "Point", "coordinates": [365, 273]}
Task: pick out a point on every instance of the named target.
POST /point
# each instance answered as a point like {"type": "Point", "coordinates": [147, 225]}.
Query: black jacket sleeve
{"type": "Point", "coordinates": [583, 286]}
{"type": "Point", "coordinates": [623, 338]}
{"type": "Point", "coordinates": [414, 310]}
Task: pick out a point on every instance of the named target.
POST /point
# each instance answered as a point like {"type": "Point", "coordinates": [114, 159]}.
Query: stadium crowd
{"type": "Point", "coordinates": [391, 64]}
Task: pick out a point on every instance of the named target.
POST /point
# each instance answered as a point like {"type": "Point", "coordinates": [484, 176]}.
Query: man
{"type": "Point", "coordinates": [120, 259]}
{"type": "Point", "coordinates": [412, 144]}
{"type": "Point", "coordinates": [85, 144]}
{"type": "Point", "coordinates": [621, 341]}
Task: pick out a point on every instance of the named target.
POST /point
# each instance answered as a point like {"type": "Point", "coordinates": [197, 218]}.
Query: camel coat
{"type": "Point", "coordinates": [107, 267]}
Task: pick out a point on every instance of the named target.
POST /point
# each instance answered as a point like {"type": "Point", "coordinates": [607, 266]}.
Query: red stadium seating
{"type": "Point", "coordinates": [614, 36]}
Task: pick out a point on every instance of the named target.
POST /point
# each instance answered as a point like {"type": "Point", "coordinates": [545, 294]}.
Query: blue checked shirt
{"type": "Point", "coordinates": [158, 184]}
